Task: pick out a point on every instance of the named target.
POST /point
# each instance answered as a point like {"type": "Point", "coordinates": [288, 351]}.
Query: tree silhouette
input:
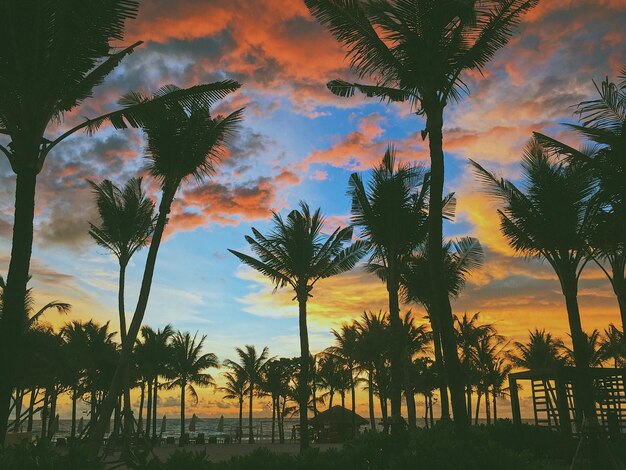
{"type": "Point", "coordinates": [183, 142]}
{"type": "Point", "coordinates": [187, 366]}
{"type": "Point", "coordinates": [126, 223]}
{"type": "Point", "coordinates": [296, 254]}
{"type": "Point", "coordinates": [391, 215]}
{"type": "Point", "coordinates": [236, 388]}
{"type": "Point", "coordinates": [252, 365]}
{"type": "Point", "coordinates": [551, 220]}
{"type": "Point", "coordinates": [416, 51]}
{"type": "Point", "coordinates": [46, 71]}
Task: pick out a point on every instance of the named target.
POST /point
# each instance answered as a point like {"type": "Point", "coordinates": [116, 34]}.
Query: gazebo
{"type": "Point", "coordinates": [336, 424]}
{"type": "Point", "coordinates": [554, 399]}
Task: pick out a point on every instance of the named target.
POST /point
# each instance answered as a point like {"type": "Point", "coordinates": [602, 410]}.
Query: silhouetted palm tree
{"type": "Point", "coordinates": [252, 365]}
{"type": "Point", "coordinates": [187, 365]}
{"type": "Point", "coordinates": [541, 352]}
{"type": "Point", "coordinates": [296, 254]}
{"type": "Point", "coordinates": [552, 220]}
{"type": "Point", "coordinates": [236, 388]}
{"type": "Point", "coordinates": [613, 346]}
{"type": "Point", "coordinates": [183, 142]}
{"type": "Point", "coordinates": [416, 51]}
{"type": "Point", "coordinates": [391, 215]}
{"type": "Point", "coordinates": [126, 223]}
{"type": "Point", "coordinates": [462, 257]}
{"type": "Point", "coordinates": [47, 71]}
{"type": "Point", "coordinates": [602, 121]}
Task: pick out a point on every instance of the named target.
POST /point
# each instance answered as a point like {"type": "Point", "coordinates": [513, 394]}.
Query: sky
{"type": "Point", "coordinates": [300, 142]}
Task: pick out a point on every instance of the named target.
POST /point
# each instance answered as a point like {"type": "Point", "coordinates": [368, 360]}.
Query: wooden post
{"type": "Point", "coordinates": [565, 424]}
{"type": "Point", "coordinates": [515, 408]}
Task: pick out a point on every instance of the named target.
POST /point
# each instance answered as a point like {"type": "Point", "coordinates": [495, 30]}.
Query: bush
{"type": "Point", "coordinates": [41, 456]}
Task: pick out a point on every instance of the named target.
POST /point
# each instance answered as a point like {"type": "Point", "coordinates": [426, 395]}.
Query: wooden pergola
{"type": "Point", "coordinates": [554, 400]}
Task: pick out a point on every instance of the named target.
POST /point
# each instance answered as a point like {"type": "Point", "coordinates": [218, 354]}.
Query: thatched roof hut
{"type": "Point", "coordinates": [337, 415]}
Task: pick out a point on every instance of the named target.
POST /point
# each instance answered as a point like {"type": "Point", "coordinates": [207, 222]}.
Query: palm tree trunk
{"type": "Point", "coordinates": [44, 415]}
{"type": "Point", "coordinates": [142, 386]}
{"type": "Point", "coordinates": [273, 417]}
{"type": "Point", "coordinates": [250, 432]}
{"type": "Point", "coordinates": [303, 382]}
{"type": "Point", "coordinates": [154, 405]}
{"type": "Point", "coordinates": [149, 409]}
{"type": "Point", "coordinates": [370, 393]}
{"type": "Point", "coordinates": [439, 367]}
{"type": "Point", "coordinates": [92, 409]}
{"type": "Point", "coordinates": [74, 400]}
{"type": "Point", "coordinates": [426, 411]}
{"type": "Point", "coordinates": [281, 421]}
{"type": "Point", "coordinates": [584, 382]}
{"type": "Point", "coordinates": [19, 397]}
{"type": "Point", "coordinates": [182, 412]}
{"type": "Point", "coordinates": [441, 302]}
{"type": "Point", "coordinates": [31, 408]}
{"type": "Point", "coordinates": [52, 414]}
{"type": "Point", "coordinates": [128, 414]}
{"type": "Point", "coordinates": [468, 393]}
{"type": "Point", "coordinates": [240, 430]}
{"type": "Point", "coordinates": [477, 408]}
{"type": "Point", "coordinates": [409, 392]}
{"type": "Point", "coordinates": [487, 408]}
{"type": "Point", "coordinates": [397, 352]}
{"type": "Point", "coordinates": [353, 401]}
{"type": "Point", "coordinates": [97, 434]}
{"type": "Point", "coordinates": [495, 410]}
{"type": "Point", "coordinates": [383, 411]}
{"type": "Point", "coordinates": [12, 324]}
{"type": "Point", "coordinates": [619, 287]}
{"type": "Point", "coordinates": [430, 408]}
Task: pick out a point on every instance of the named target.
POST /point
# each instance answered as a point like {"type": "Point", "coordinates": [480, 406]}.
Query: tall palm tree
{"type": "Point", "coordinates": [462, 257]}
{"type": "Point", "coordinates": [552, 220]}
{"type": "Point", "coordinates": [53, 55]}
{"type": "Point", "coordinates": [297, 254]}
{"type": "Point", "coordinates": [153, 355]}
{"type": "Point", "coordinates": [184, 142]}
{"type": "Point", "coordinates": [602, 122]}
{"type": "Point", "coordinates": [236, 388]}
{"type": "Point", "coordinates": [187, 366]}
{"type": "Point", "coordinates": [416, 51]}
{"type": "Point", "coordinates": [613, 346]}
{"type": "Point", "coordinates": [126, 223]}
{"type": "Point", "coordinates": [253, 366]}
{"type": "Point", "coordinates": [391, 215]}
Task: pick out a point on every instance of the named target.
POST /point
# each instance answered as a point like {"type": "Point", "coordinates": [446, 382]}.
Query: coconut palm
{"type": "Point", "coordinates": [613, 346]}
{"type": "Point", "coordinates": [470, 334]}
{"type": "Point", "coordinates": [296, 254]}
{"type": "Point", "coordinates": [391, 215]}
{"type": "Point", "coordinates": [497, 376]}
{"type": "Point", "coordinates": [253, 366]}
{"type": "Point", "coordinates": [541, 352]}
{"type": "Point", "coordinates": [47, 71]}
{"type": "Point", "coordinates": [184, 142]}
{"type": "Point", "coordinates": [602, 122]}
{"type": "Point", "coordinates": [462, 257]}
{"type": "Point", "coordinates": [416, 51]}
{"type": "Point", "coordinates": [126, 223]}
{"type": "Point", "coordinates": [552, 220]}
{"type": "Point", "coordinates": [275, 384]}
{"type": "Point", "coordinates": [187, 367]}
{"type": "Point", "coordinates": [236, 388]}
{"type": "Point", "coordinates": [152, 356]}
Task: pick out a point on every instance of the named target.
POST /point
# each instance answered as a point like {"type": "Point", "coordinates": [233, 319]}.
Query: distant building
{"type": "Point", "coordinates": [337, 424]}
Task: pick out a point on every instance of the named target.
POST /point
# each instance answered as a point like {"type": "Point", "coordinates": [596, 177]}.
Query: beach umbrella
{"type": "Point", "coordinates": [162, 426]}
{"type": "Point", "coordinates": [81, 423]}
{"type": "Point", "coordinates": [192, 424]}
{"type": "Point", "coordinates": [220, 424]}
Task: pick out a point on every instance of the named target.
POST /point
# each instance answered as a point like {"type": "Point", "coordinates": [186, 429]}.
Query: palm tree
{"type": "Point", "coordinates": [47, 71]}
{"type": "Point", "coordinates": [126, 223]}
{"type": "Point", "coordinates": [391, 215]}
{"type": "Point", "coordinates": [253, 366]}
{"type": "Point", "coordinates": [236, 388]}
{"type": "Point", "coordinates": [296, 254]}
{"type": "Point", "coordinates": [183, 142]}
{"type": "Point", "coordinates": [187, 366]}
{"type": "Point", "coordinates": [153, 356]}
{"type": "Point", "coordinates": [602, 121]}
{"type": "Point", "coordinates": [497, 375]}
{"type": "Point", "coordinates": [613, 346]}
{"type": "Point", "coordinates": [469, 337]}
{"type": "Point", "coordinates": [416, 51]}
{"type": "Point", "coordinates": [552, 220]}
{"type": "Point", "coordinates": [346, 348]}
{"type": "Point", "coordinates": [462, 257]}
{"type": "Point", "coordinates": [541, 352]}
